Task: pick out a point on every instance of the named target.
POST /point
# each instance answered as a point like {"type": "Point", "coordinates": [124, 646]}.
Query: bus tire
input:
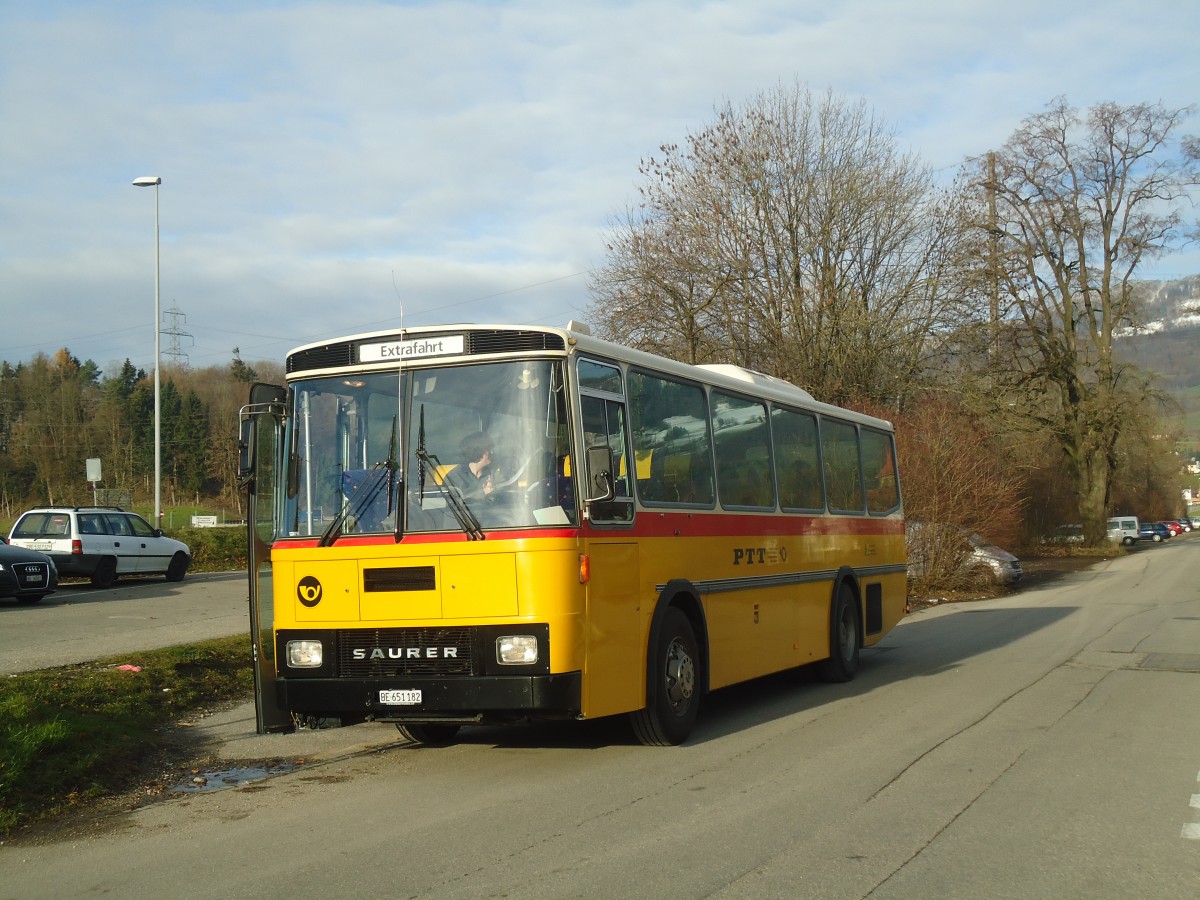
{"type": "Point", "coordinates": [673, 699]}
{"type": "Point", "coordinates": [428, 735]}
{"type": "Point", "coordinates": [845, 638]}
{"type": "Point", "coordinates": [105, 573]}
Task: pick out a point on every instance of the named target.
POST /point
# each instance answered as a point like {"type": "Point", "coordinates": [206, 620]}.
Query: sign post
{"type": "Point", "coordinates": [93, 475]}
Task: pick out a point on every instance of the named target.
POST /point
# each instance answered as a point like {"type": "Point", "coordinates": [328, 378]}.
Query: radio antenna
{"type": "Point", "coordinates": [399, 299]}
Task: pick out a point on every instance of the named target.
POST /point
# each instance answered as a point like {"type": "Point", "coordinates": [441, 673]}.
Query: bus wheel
{"type": "Point", "coordinates": [844, 638]}
{"type": "Point", "coordinates": [674, 697]}
{"type": "Point", "coordinates": [428, 735]}
{"type": "Point", "coordinates": [106, 573]}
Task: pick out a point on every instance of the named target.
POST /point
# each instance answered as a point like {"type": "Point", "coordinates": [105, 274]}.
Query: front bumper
{"type": "Point", "coordinates": [75, 565]}
{"type": "Point", "coordinates": [485, 698]}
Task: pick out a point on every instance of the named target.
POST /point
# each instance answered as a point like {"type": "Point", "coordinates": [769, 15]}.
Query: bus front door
{"type": "Point", "coordinates": [261, 427]}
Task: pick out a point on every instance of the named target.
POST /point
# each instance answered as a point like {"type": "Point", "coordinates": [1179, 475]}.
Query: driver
{"type": "Point", "coordinates": [472, 476]}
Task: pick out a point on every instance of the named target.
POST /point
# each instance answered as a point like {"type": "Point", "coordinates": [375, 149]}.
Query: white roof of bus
{"type": "Point", "coordinates": [579, 338]}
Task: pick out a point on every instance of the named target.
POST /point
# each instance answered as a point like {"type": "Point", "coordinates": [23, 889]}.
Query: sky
{"type": "Point", "coordinates": [336, 167]}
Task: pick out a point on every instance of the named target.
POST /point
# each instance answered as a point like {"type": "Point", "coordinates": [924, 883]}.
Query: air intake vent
{"type": "Point", "coordinates": [407, 578]}
{"type": "Point", "coordinates": [513, 341]}
{"type": "Point", "coordinates": [331, 356]}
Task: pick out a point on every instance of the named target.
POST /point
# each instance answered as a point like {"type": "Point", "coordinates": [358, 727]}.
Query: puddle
{"type": "Point", "coordinates": [204, 782]}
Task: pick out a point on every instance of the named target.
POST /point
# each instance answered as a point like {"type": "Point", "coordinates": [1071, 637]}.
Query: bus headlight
{"type": "Point", "coordinates": [516, 649]}
{"type": "Point", "coordinates": [305, 654]}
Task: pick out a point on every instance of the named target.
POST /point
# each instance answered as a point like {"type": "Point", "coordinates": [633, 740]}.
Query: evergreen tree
{"type": "Point", "coordinates": [189, 442]}
{"type": "Point", "coordinates": [240, 371]}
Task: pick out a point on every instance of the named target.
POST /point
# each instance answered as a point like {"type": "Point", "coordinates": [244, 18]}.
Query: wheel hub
{"type": "Point", "coordinates": [681, 675]}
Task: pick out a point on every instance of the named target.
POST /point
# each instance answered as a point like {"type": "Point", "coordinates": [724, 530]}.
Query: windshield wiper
{"type": "Point", "coordinates": [454, 498]}
{"type": "Point", "coordinates": [379, 475]}
{"type": "Point", "coordinates": [363, 498]}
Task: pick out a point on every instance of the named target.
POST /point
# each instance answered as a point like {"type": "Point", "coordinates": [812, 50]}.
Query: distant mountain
{"type": "Point", "coordinates": [1170, 305]}
{"type": "Point", "coordinates": [1167, 343]}
{"type": "Point", "coordinates": [1167, 339]}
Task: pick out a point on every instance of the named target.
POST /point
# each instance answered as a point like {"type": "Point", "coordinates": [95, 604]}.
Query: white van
{"type": "Point", "coordinates": [1124, 529]}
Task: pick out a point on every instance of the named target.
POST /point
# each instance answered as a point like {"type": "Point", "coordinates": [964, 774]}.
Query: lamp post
{"type": "Point", "coordinates": [154, 181]}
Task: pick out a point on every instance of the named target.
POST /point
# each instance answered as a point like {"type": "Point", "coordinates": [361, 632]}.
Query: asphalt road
{"type": "Point", "coordinates": [1041, 745]}
{"type": "Point", "coordinates": [80, 623]}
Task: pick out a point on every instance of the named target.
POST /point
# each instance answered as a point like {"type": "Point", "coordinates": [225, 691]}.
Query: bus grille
{"type": "Point", "coordinates": [391, 652]}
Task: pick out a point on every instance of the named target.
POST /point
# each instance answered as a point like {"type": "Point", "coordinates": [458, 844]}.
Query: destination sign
{"type": "Point", "coordinates": [415, 348]}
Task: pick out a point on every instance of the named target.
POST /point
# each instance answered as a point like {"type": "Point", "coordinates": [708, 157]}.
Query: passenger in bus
{"type": "Point", "coordinates": [472, 476]}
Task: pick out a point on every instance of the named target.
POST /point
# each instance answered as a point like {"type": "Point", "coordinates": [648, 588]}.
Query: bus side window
{"type": "Point", "coordinates": [742, 442]}
{"type": "Point", "coordinates": [670, 422]}
{"type": "Point", "coordinates": [879, 462]}
{"type": "Point", "coordinates": [843, 469]}
{"type": "Point", "coordinates": [796, 459]}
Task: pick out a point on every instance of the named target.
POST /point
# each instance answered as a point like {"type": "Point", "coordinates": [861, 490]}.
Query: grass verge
{"type": "Point", "coordinates": [78, 733]}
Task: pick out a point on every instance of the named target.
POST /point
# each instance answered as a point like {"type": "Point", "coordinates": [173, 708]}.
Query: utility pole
{"type": "Point", "coordinates": [993, 262]}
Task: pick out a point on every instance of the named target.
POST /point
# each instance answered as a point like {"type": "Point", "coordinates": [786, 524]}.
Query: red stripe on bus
{"type": "Point", "coordinates": [650, 524]}
{"type": "Point", "coordinates": [674, 524]}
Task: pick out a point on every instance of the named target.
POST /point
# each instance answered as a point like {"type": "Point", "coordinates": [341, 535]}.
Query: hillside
{"type": "Point", "coordinates": [1167, 342]}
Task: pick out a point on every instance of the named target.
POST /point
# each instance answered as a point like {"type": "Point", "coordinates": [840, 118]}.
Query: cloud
{"type": "Point", "coordinates": [319, 158]}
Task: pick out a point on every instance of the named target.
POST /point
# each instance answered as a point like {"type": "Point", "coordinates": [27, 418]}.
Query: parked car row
{"type": "Point", "coordinates": [100, 543]}
{"type": "Point", "coordinates": [1164, 531]}
{"type": "Point", "coordinates": [1128, 530]}
{"type": "Point", "coordinates": [974, 554]}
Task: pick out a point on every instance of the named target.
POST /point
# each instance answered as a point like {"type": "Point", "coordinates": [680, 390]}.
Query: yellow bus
{"type": "Point", "coordinates": [476, 524]}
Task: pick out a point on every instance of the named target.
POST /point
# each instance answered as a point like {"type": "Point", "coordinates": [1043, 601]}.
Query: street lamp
{"type": "Point", "coordinates": [154, 181]}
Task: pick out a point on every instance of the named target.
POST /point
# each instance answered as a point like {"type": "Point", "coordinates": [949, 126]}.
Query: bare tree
{"type": "Point", "coordinates": [53, 431]}
{"type": "Point", "coordinates": [791, 236]}
{"type": "Point", "coordinates": [957, 481]}
{"type": "Point", "coordinates": [1073, 204]}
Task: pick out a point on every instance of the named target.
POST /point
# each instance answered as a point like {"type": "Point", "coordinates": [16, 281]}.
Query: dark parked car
{"type": "Point", "coordinates": [25, 574]}
{"type": "Point", "coordinates": [1154, 531]}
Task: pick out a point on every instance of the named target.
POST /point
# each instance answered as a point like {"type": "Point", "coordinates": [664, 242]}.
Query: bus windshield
{"type": "Point", "coordinates": [456, 448]}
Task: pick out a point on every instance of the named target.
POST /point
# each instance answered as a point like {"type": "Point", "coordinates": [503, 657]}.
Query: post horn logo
{"type": "Point", "coordinates": [308, 591]}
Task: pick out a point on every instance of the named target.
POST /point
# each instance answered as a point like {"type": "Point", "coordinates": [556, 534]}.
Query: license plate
{"type": "Point", "coordinates": [400, 698]}
{"type": "Point", "coordinates": [40, 545]}
{"type": "Point", "coordinates": [35, 578]}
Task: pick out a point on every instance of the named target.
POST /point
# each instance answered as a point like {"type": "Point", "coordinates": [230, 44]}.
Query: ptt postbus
{"type": "Point", "coordinates": [476, 524]}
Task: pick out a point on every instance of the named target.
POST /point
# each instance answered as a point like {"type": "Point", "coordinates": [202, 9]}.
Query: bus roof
{"type": "Point", "coordinates": [577, 337]}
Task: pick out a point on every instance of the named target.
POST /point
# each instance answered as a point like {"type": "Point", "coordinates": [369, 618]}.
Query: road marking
{"type": "Point", "coordinates": [1191, 830]}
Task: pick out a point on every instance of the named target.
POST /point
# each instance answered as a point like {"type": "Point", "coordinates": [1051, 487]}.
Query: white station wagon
{"type": "Point", "coordinates": [100, 543]}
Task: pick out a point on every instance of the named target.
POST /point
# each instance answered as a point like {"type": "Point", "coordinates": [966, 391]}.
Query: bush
{"type": "Point", "coordinates": [220, 549]}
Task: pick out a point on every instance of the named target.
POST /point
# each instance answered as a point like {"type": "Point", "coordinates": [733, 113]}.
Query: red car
{"type": "Point", "coordinates": [1174, 527]}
